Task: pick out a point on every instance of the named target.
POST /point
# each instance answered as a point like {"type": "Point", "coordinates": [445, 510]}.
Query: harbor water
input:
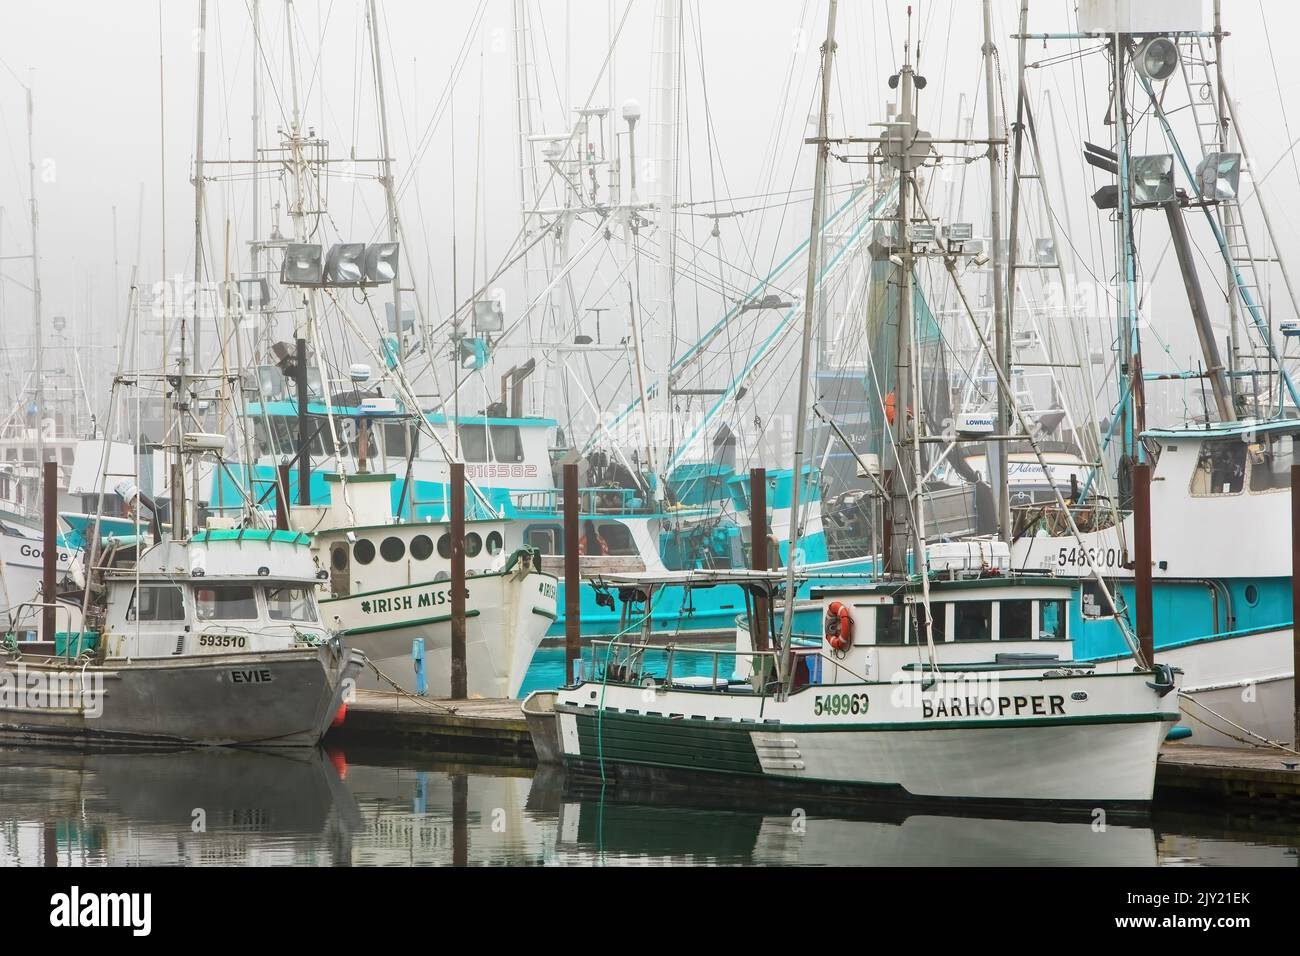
{"type": "Point", "coordinates": [226, 807]}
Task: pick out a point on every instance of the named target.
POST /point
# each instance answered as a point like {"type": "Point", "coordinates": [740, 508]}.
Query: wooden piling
{"type": "Point", "coordinates": [758, 549]}
{"type": "Point", "coordinates": [50, 551]}
{"type": "Point", "coordinates": [459, 677]}
{"type": "Point", "coordinates": [282, 498]}
{"type": "Point", "coordinates": [304, 452]}
{"type": "Point", "coordinates": [1142, 561]}
{"type": "Point", "coordinates": [572, 581]}
{"type": "Point", "coordinates": [1295, 591]}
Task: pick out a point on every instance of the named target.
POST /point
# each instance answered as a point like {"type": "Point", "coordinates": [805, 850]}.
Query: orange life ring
{"type": "Point", "coordinates": [839, 626]}
{"type": "Point", "coordinates": [890, 403]}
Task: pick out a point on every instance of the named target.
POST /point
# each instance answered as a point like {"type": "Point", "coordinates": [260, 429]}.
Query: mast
{"type": "Point", "coordinates": [254, 248]}
{"type": "Point", "coordinates": [197, 360]}
{"type": "Point", "coordinates": [805, 354]}
{"type": "Point", "coordinates": [389, 197]}
{"type": "Point", "coordinates": [1001, 307]}
{"type": "Point", "coordinates": [38, 398]}
{"type": "Point", "coordinates": [664, 117]}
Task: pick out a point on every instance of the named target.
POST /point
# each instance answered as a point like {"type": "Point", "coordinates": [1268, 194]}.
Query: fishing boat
{"type": "Point", "coordinates": [215, 639]}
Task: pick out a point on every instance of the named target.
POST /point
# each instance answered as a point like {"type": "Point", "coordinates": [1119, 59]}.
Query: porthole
{"type": "Point", "coordinates": [444, 546]}
{"type": "Point", "coordinates": [339, 558]}
{"type": "Point", "coordinates": [393, 549]}
{"type": "Point", "coordinates": [421, 547]}
{"type": "Point", "coordinates": [494, 542]}
{"type": "Point", "coordinates": [364, 551]}
{"type": "Point", "coordinates": [473, 544]}
{"type": "Point", "coordinates": [1252, 595]}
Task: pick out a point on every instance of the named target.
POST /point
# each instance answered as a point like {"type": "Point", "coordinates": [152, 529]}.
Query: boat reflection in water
{"type": "Point", "coordinates": [317, 807]}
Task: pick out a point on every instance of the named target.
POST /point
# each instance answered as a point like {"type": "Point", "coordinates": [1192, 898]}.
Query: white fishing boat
{"type": "Point", "coordinates": [389, 584]}
{"type": "Point", "coordinates": [213, 640]}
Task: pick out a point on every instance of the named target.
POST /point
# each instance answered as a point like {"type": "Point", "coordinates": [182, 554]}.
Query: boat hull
{"type": "Point", "coordinates": [284, 698]}
{"type": "Point", "coordinates": [507, 615]}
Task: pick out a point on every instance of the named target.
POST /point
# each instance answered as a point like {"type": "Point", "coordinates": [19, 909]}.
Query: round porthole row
{"type": "Point", "coordinates": [494, 542]}
{"type": "Point", "coordinates": [421, 547]}
{"type": "Point", "coordinates": [444, 546]}
{"type": "Point", "coordinates": [393, 549]}
{"type": "Point", "coordinates": [473, 544]}
{"type": "Point", "coordinates": [364, 551]}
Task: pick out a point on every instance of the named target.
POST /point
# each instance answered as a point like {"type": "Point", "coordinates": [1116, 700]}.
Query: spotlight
{"type": "Point", "coordinates": [1218, 175]}
{"type": "Point", "coordinates": [302, 265]}
{"type": "Point", "coordinates": [343, 263]}
{"type": "Point", "coordinates": [1156, 58]}
{"type": "Point", "coordinates": [381, 262]}
{"type": "Point", "coordinates": [1152, 179]}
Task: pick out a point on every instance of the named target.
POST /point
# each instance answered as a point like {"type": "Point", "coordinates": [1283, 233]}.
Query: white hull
{"type": "Point", "coordinates": [507, 615]}
{"type": "Point", "coordinates": [1009, 739]}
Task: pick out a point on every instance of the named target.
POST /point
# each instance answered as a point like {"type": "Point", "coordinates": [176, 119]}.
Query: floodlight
{"type": "Point", "coordinates": [1045, 252]}
{"type": "Point", "coordinates": [1218, 175]}
{"type": "Point", "coordinates": [256, 294]}
{"type": "Point", "coordinates": [1152, 179]}
{"type": "Point", "coordinates": [923, 232]}
{"type": "Point", "coordinates": [302, 265]}
{"type": "Point", "coordinates": [959, 231]}
{"type": "Point", "coordinates": [381, 262]}
{"type": "Point", "coordinates": [488, 316]}
{"type": "Point", "coordinates": [473, 354]}
{"type": "Point", "coordinates": [1156, 58]}
{"type": "Point", "coordinates": [344, 262]}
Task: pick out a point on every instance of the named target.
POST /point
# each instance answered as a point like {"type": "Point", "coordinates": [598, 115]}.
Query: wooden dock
{"type": "Point", "coordinates": [480, 727]}
{"type": "Point", "coordinates": [1265, 781]}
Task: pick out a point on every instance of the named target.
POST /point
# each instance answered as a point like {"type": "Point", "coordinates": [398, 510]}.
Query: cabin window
{"type": "Point", "coordinates": [290, 604]}
{"type": "Point", "coordinates": [339, 558]}
{"type": "Point", "coordinates": [421, 547]}
{"type": "Point", "coordinates": [393, 549]}
{"type": "Point", "coordinates": [1051, 620]}
{"type": "Point", "coordinates": [1221, 468]}
{"type": "Point", "coordinates": [494, 542]}
{"type": "Point", "coordinates": [364, 551]}
{"type": "Point", "coordinates": [1270, 463]}
{"type": "Point", "coordinates": [400, 440]}
{"type": "Point", "coordinates": [889, 623]}
{"type": "Point", "coordinates": [547, 539]}
{"type": "Point", "coordinates": [938, 624]}
{"type": "Point", "coordinates": [618, 538]}
{"type": "Point", "coordinates": [444, 547]}
{"type": "Point", "coordinates": [974, 621]}
{"type": "Point", "coordinates": [161, 602]}
{"type": "Point", "coordinates": [225, 602]}
{"type": "Point", "coordinates": [473, 544]}
{"type": "Point", "coordinates": [506, 443]}
{"type": "Point", "coordinates": [1016, 621]}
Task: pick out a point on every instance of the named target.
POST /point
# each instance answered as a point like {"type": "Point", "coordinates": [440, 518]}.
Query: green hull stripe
{"type": "Point", "coordinates": [667, 743]}
{"type": "Point", "coordinates": [549, 615]}
{"type": "Point", "coordinates": [419, 622]}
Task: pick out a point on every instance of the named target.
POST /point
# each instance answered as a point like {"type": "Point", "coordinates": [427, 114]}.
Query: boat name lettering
{"type": "Point", "coordinates": [547, 589]}
{"type": "Point", "coordinates": [1036, 705]}
{"type": "Point", "coordinates": [27, 551]}
{"type": "Point", "coordinates": [407, 602]}
{"type": "Point", "coordinates": [251, 677]}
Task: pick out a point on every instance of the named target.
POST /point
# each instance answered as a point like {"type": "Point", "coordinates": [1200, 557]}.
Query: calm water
{"type": "Point", "coordinates": [233, 808]}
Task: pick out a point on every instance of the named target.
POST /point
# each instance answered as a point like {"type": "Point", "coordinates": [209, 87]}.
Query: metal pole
{"type": "Point", "coordinates": [459, 678]}
{"type": "Point", "coordinates": [572, 581]}
{"type": "Point", "coordinates": [1200, 314]}
{"type": "Point", "coordinates": [805, 355]}
{"type": "Point", "coordinates": [1142, 562]}
{"type": "Point", "coordinates": [304, 452]}
{"type": "Point", "coordinates": [389, 197]}
{"type": "Point", "coordinates": [39, 381]}
{"type": "Point", "coordinates": [758, 550]}
{"type": "Point", "coordinates": [1001, 307]}
{"type": "Point", "coordinates": [198, 192]}
{"type": "Point", "coordinates": [50, 548]}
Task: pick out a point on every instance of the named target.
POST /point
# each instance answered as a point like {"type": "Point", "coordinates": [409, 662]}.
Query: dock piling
{"type": "Point", "coordinates": [459, 678]}
{"type": "Point", "coordinates": [50, 552]}
{"type": "Point", "coordinates": [1142, 561]}
{"type": "Point", "coordinates": [1295, 591]}
{"type": "Point", "coordinates": [758, 549]}
{"type": "Point", "coordinates": [572, 582]}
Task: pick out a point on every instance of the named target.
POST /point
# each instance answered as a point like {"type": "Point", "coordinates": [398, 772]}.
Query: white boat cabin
{"type": "Point", "coordinates": [226, 591]}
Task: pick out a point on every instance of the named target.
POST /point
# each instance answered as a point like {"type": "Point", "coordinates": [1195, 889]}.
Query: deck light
{"type": "Point", "coordinates": [381, 262]}
{"type": "Point", "coordinates": [1156, 58]}
{"type": "Point", "coordinates": [302, 264]}
{"type": "Point", "coordinates": [1218, 176]}
{"type": "Point", "coordinates": [1152, 179]}
{"type": "Point", "coordinates": [489, 316]}
{"type": "Point", "coordinates": [343, 263]}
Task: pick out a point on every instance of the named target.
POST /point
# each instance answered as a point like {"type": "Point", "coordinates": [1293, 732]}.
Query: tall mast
{"type": "Point", "coordinates": [197, 359]}
{"type": "Point", "coordinates": [805, 354]}
{"type": "Point", "coordinates": [255, 248]}
{"type": "Point", "coordinates": [1001, 307]}
{"type": "Point", "coordinates": [39, 384]}
{"type": "Point", "coordinates": [664, 119]}
{"type": "Point", "coordinates": [390, 197]}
